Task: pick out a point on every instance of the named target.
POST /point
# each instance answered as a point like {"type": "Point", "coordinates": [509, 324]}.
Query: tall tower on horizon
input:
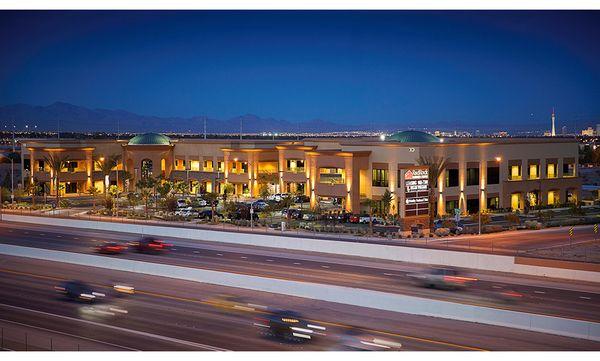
{"type": "Point", "coordinates": [553, 119]}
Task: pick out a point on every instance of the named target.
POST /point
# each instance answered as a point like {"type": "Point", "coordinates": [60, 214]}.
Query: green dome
{"type": "Point", "coordinates": [150, 139]}
{"type": "Point", "coordinates": [413, 136]}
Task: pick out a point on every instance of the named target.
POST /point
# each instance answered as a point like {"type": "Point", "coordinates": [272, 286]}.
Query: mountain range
{"type": "Point", "coordinates": [72, 118]}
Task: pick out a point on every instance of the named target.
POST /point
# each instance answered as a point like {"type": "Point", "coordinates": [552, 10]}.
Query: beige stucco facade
{"type": "Point", "coordinates": [535, 170]}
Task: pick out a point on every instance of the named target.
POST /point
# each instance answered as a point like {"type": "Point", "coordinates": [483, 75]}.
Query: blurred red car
{"type": "Point", "coordinates": [354, 218]}
{"type": "Point", "coordinates": [111, 248]}
{"type": "Point", "coordinates": [151, 245]}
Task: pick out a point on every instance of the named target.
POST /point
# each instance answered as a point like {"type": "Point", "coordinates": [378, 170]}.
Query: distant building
{"type": "Point", "coordinates": [548, 133]}
{"type": "Point", "coordinates": [482, 173]}
{"type": "Point", "coordinates": [564, 130]}
{"type": "Point", "coordinates": [597, 129]}
{"type": "Point", "coordinates": [588, 132]}
{"type": "Point", "coordinates": [553, 121]}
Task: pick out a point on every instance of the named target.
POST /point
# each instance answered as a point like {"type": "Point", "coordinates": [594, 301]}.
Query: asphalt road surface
{"type": "Point", "coordinates": [539, 295]}
{"type": "Point", "coordinates": [169, 314]}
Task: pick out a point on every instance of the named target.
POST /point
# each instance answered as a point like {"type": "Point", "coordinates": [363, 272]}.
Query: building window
{"type": "Point", "coordinates": [515, 201]}
{"type": "Point", "coordinates": [332, 175]}
{"type": "Point", "coordinates": [41, 166]}
{"type": "Point", "coordinates": [27, 164]}
{"type": "Point", "coordinates": [146, 168]}
{"type": "Point", "coordinates": [380, 178]}
{"type": "Point", "coordinates": [493, 203]}
{"type": "Point", "coordinates": [534, 171]}
{"type": "Point", "coordinates": [568, 169]}
{"type": "Point", "coordinates": [70, 187]}
{"type": "Point", "coordinates": [295, 165]}
{"type": "Point", "coordinates": [472, 176]}
{"type": "Point", "coordinates": [70, 166]}
{"type": "Point", "coordinates": [451, 206]}
{"type": "Point", "coordinates": [268, 167]}
{"type": "Point", "coordinates": [552, 170]}
{"type": "Point", "coordinates": [472, 205]}
{"type": "Point", "coordinates": [179, 164]}
{"type": "Point", "coordinates": [195, 165]}
{"type": "Point", "coordinates": [493, 175]}
{"type": "Point", "coordinates": [208, 165]}
{"type": "Point", "coordinates": [514, 172]}
{"type": "Point", "coordinates": [452, 178]}
{"type": "Point", "coordinates": [553, 198]}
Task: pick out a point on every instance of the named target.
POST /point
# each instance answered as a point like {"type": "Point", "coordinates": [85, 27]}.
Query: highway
{"type": "Point", "coordinates": [569, 299]}
{"type": "Point", "coordinates": [169, 314]}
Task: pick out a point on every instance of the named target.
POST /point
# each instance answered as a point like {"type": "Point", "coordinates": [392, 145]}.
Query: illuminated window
{"type": "Point", "coordinates": [208, 165]}
{"type": "Point", "coordinates": [551, 170]}
{"type": "Point", "coordinates": [195, 165]}
{"type": "Point", "coordinates": [179, 164]}
{"type": "Point", "coordinates": [268, 167]}
{"type": "Point", "coordinates": [515, 172]}
{"type": "Point", "coordinates": [380, 178]}
{"type": "Point", "coordinates": [332, 175]}
{"type": "Point", "coordinates": [534, 171]}
{"type": "Point", "coordinates": [553, 198]}
{"type": "Point", "coordinates": [515, 201]}
{"type": "Point", "coordinates": [221, 166]}
{"type": "Point", "coordinates": [295, 165]}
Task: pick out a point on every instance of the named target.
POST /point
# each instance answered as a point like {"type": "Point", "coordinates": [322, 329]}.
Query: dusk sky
{"type": "Point", "coordinates": [413, 68]}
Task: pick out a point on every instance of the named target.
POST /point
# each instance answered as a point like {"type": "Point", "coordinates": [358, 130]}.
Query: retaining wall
{"type": "Point", "coordinates": [344, 295]}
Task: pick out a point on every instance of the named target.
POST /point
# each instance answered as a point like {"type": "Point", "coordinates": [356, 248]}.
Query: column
{"type": "Point", "coordinates": [393, 182]}
{"type": "Point", "coordinates": [281, 169]}
{"type": "Point", "coordinates": [482, 185]}
{"type": "Point", "coordinates": [33, 165]}
{"type": "Point", "coordinates": [349, 177]}
{"type": "Point", "coordinates": [462, 200]}
{"type": "Point", "coordinates": [441, 201]}
{"type": "Point", "coordinates": [89, 168]}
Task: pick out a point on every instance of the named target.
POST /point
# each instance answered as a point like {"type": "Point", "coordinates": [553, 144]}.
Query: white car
{"type": "Point", "coordinates": [375, 220]}
{"type": "Point", "coordinates": [186, 212]}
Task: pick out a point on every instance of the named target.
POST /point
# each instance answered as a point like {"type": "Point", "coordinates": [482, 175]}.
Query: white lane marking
{"type": "Point", "coordinates": [324, 266]}
{"type": "Point", "coordinates": [76, 237]}
{"type": "Point", "coordinates": [219, 254]}
{"type": "Point", "coordinates": [497, 287]}
{"type": "Point", "coordinates": [71, 335]}
{"type": "Point", "coordinates": [269, 260]}
{"type": "Point", "coordinates": [391, 274]}
{"type": "Point", "coordinates": [244, 257]}
{"type": "Point", "coordinates": [297, 263]}
{"type": "Point", "coordinates": [540, 292]}
{"type": "Point", "coordinates": [141, 333]}
{"type": "Point", "coordinates": [585, 298]}
{"type": "Point", "coordinates": [42, 234]}
{"type": "Point", "coordinates": [196, 252]}
{"type": "Point", "coordinates": [59, 236]}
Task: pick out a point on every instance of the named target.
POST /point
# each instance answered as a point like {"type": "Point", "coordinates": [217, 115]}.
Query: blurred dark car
{"type": "Point", "coordinates": [288, 326]}
{"type": "Point", "coordinates": [442, 278]}
{"type": "Point", "coordinates": [111, 248]}
{"type": "Point", "coordinates": [207, 214]}
{"type": "Point", "coordinates": [302, 199]}
{"type": "Point", "coordinates": [78, 290]}
{"type": "Point", "coordinates": [151, 245]}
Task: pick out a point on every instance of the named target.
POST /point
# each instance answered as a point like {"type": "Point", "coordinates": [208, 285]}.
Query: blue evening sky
{"type": "Point", "coordinates": [412, 68]}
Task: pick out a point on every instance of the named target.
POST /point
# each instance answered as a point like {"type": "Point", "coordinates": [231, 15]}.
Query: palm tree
{"type": "Point", "coordinates": [33, 188]}
{"type": "Point", "coordinates": [56, 163]}
{"type": "Point", "coordinates": [436, 166]}
{"type": "Point", "coordinates": [370, 204]}
{"type": "Point", "coordinates": [106, 166]}
{"type": "Point", "coordinates": [93, 192]}
{"type": "Point", "coordinates": [212, 199]}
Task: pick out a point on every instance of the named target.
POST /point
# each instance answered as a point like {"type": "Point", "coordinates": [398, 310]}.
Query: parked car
{"type": "Point", "coordinates": [207, 214]}
{"type": "Point", "coordinates": [244, 213]}
{"type": "Point", "coordinates": [310, 217]}
{"type": "Point", "coordinates": [354, 218]}
{"type": "Point", "coordinates": [259, 205]}
{"type": "Point", "coordinates": [186, 212]}
{"type": "Point", "coordinates": [375, 220]}
{"type": "Point", "coordinates": [302, 199]}
{"type": "Point", "coordinates": [181, 203]}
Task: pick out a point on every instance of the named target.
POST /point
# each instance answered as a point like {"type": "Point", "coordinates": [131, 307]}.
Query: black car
{"type": "Point", "coordinates": [244, 213]}
{"type": "Point", "coordinates": [207, 214]}
{"type": "Point", "coordinates": [79, 291]}
{"type": "Point", "coordinates": [288, 326]}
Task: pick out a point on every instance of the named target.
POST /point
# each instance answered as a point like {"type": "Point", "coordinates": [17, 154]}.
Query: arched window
{"type": "Point", "coordinates": [146, 168]}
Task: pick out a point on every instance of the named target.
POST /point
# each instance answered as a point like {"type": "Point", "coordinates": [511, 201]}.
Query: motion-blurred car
{"type": "Point", "coordinates": [357, 339]}
{"type": "Point", "coordinates": [150, 245]}
{"type": "Point", "coordinates": [100, 312]}
{"type": "Point", "coordinates": [288, 326]}
{"type": "Point", "coordinates": [234, 303]}
{"type": "Point", "coordinates": [111, 248]}
{"type": "Point", "coordinates": [443, 278]}
{"type": "Point", "coordinates": [509, 296]}
{"type": "Point", "coordinates": [80, 291]}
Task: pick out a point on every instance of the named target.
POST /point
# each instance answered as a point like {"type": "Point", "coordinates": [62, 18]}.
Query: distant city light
{"type": "Point", "coordinates": [382, 137]}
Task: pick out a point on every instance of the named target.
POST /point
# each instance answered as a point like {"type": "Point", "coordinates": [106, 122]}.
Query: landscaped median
{"type": "Point", "coordinates": [339, 294]}
{"type": "Point", "coordinates": [471, 260]}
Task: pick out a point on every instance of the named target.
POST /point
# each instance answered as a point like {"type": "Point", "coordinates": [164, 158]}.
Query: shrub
{"type": "Point", "coordinates": [442, 232]}
{"type": "Point", "coordinates": [512, 218]}
{"type": "Point", "coordinates": [64, 203]}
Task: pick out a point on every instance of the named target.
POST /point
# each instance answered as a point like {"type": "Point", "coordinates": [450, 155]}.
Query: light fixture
{"type": "Point", "coordinates": [498, 159]}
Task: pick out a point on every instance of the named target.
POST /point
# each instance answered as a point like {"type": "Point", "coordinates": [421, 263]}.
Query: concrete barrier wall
{"type": "Point", "coordinates": [478, 261]}
{"type": "Point", "coordinates": [330, 293]}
